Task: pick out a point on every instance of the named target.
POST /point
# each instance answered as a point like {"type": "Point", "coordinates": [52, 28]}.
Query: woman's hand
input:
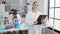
{"type": "Point", "coordinates": [43, 21]}
{"type": "Point", "coordinates": [35, 22]}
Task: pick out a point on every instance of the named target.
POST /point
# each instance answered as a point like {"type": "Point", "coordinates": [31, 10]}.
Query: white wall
{"type": "Point", "coordinates": [12, 1]}
{"type": "Point", "coordinates": [17, 4]}
{"type": "Point", "coordinates": [2, 8]}
{"type": "Point", "coordinates": [45, 6]}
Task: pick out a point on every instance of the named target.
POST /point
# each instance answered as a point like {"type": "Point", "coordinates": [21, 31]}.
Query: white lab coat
{"type": "Point", "coordinates": [30, 18]}
{"type": "Point", "coordinates": [18, 17]}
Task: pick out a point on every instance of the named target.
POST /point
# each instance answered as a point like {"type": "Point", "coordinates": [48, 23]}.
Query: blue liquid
{"type": "Point", "coordinates": [7, 27]}
{"type": "Point", "coordinates": [16, 25]}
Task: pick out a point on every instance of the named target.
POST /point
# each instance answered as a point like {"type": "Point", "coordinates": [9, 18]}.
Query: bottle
{"type": "Point", "coordinates": [2, 27]}
{"type": "Point", "coordinates": [7, 23]}
{"type": "Point", "coordinates": [16, 24]}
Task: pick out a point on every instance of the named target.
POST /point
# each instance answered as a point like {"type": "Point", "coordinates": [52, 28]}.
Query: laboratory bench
{"type": "Point", "coordinates": [17, 32]}
{"type": "Point", "coordinates": [22, 30]}
{"type": "Point", "coordinates": [14, 31]}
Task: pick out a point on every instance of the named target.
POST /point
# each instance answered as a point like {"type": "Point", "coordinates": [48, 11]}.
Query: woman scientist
{"type": "Point", "coordinates": [31, 18]}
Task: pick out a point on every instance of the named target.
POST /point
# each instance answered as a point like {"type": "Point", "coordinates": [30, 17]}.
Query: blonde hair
{"type": "Point", "coordinates": [34, 3]}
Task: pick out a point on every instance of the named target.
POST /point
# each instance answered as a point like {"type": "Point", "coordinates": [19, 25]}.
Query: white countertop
{"type": "Point", "coordinates": [13, 29]}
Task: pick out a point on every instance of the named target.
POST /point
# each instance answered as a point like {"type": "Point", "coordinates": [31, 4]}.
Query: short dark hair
{"type": "Point", "coordinates": [14, 12]}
